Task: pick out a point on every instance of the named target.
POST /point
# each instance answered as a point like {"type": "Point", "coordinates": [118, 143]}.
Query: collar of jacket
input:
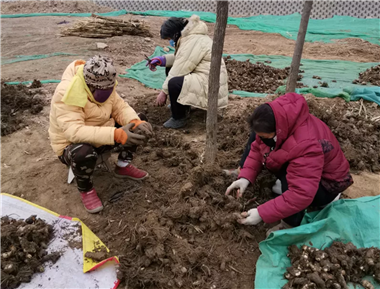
{"type": "Point", "coordinates": [78, 93]}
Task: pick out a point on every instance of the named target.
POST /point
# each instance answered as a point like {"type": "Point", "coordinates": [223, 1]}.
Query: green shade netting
{"type": "Point", "coordinates": [110, 14]}
{"type": "Point", "coordinates": [29, 82]}
{"type": "Point", "coordinates": [324, 30]}
{"type": "Point", "coordinates": [19, 58]}
{"type": "Point", "coordinates": [349, 94]}
{"type": "Point", "coordinates": [346, 220]}
{"type": "Point", "coordinates": [341, 71]}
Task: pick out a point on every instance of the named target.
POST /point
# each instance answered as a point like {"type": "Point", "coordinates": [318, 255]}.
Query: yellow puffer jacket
{"type": "Point", "coordinates": [93, 124]}
{"type": "Point", "coordinates": [192, 60]}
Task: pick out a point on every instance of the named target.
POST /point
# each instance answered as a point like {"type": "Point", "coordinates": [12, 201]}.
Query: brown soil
{"type": "Point", "coordinates": [172, 158]}
{"type": "Point", "coordinates": [258, 43]}
{"type": "Point", "coordinates": [23, 250]}
{"type": "Point", "coordinates": [181, 231]}
{"type": "Point", "coordinates": [24, 36]}
{"type": "Point", "coordinates": [98, 254]}
{"type": "Point", "coordinates": [17, 103]}
{"type": "Point", "coordinates": [364, 183]}
{"type": "Point", "coordinates": [355, 129]}
{"type": "Point", "coordinates": [371, 75]}
{"type": "Point", "coordinates": [255, 77]}
{"type": "Point", "coordinates": [332, 267]}
{"type": "Point", "coordinates": [21, 7]}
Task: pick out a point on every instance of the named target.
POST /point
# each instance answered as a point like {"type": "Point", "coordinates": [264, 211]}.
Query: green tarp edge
{"type": "Point", "coordinates": [20, 58]}
{"type": "Point", "coordinates": [323, 30]}
{"type": "Point", "coordinates": [348, 94]}
{"type": "Point", "coordinates": [29, 82]}
{"type": "Point", "coordinates": [110, 14]}
{"type": "Point", "coordinates": [342, 71]}
{"type": "Point", "coordinates": [347, 220]}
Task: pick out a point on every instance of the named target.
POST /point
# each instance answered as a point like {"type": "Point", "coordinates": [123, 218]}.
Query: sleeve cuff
{"type": "Point", "coordinates": [246, 175]}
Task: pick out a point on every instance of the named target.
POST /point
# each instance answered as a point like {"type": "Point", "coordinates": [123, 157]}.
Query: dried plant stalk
{"type": "Point", "coordinates": [103, 27]}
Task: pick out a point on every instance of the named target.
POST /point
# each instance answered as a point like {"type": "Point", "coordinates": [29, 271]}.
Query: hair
{"type": "Point", "coordinates": [172, 28]}
{"type": "Point", "coordinates": [262, 119]}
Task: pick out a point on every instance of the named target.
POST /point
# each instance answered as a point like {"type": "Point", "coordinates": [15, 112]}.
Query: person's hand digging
{"type": "Point", "coordinates": [241, 184]}
{"type": "Point", "coordinates": [161, 99]}
{"type": "Point", "coordinates": [133, 138]}
{"type": "Point", "coordinates": [144, 128]}
{"type": "Point", "coordinates": [251, 217]}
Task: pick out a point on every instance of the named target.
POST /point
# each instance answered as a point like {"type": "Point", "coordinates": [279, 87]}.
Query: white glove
{"type": "Point", "coordinates": [241, 184]}
{"type": "Point", "coordinates": [251, 217]}
{"type": "Point", "coordinates": [277, 188]}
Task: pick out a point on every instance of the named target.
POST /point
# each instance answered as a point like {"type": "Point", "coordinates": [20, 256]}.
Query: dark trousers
{"type": "Point", "coordinates": [175, 84]}
{"type": "Point", "coordinates": [247, 149]}
{"type": "Point", "coordinates": [82, 158]}
{"type": "Point", "coordinates": [322, 197]}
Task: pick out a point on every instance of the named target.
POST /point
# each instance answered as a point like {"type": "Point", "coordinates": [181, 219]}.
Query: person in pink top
{"type": "Point", "coordinates": [302, 152]}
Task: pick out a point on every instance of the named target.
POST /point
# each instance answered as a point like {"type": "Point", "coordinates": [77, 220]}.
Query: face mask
{"type": "Point", "coordinates": [101, 95]}
{"type": "Point", "coordinates": [172, 43]}
{"type": "Point", "coordinates": [270, 142]}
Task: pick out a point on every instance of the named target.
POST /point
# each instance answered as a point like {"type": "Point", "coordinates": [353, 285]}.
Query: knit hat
{"type": "Point", "coordinates": [99, 72]}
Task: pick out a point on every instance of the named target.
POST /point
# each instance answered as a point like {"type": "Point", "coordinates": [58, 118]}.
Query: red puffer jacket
{"type": "Point", "coordinates": [311, 151]}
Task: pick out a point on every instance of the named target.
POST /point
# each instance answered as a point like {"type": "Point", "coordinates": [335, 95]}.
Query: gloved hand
{"type": "Point", "coordinates": [133, 138]}
{"type": "Point", "coordinates": [241, 185]}
{"type": "Point", "coordinates": [144, 128]}
{"type": "Point", "coordinates": [120, 136]}
{"type": "Point", "coordinates": [161, 99]}
{"type": "Point", "coordinates": [251, 217]}
{"type": "Point", "coordinates": [156, 61]}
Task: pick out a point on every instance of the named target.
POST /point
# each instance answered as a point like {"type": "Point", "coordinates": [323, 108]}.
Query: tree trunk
{"type": "Point", "coordinates": [297, 55]}
{"type": "Point", "coordinates": [214, 81]}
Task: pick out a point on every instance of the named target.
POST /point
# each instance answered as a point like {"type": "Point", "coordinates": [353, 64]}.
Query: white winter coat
{"type": "Point", "coordinates": [192, 59]}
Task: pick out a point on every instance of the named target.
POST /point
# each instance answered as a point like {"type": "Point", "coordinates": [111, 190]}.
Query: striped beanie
{"type": "Point", "coordinates": [99, 72]}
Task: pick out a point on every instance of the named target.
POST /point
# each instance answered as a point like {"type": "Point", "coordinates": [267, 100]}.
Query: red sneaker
{"type": "Point", "coordinates": [130, 172]}
{"type": "Point", "coordinates": [91, 201]}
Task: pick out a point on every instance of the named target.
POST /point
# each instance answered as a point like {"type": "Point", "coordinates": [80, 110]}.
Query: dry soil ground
{"type": "Point", "coordinates": [30, 169]}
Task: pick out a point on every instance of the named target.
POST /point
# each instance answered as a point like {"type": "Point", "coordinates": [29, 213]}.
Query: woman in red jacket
{"type": "Point", "coordinates": [304, 155]}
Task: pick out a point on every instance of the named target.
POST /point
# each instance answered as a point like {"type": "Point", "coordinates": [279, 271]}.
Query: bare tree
{"type": "Point", "coordinates": [297, 55]}
{"type": "Point", "coordinates": [214, 80]}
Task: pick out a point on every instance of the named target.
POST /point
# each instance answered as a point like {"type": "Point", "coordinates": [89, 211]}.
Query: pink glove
{"type": "Point", "coordinates": [156, 61]}
{"type": "Point", "coordinates": [161, 99]}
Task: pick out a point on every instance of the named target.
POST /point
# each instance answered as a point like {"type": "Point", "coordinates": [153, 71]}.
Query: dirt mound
{"type": "Point", "coordinates": [332, 267]}
{"type": "Point", "coordinates": [23, 249]}
{"type": "Point", "coordinates": [371, 75]}
{"type": "Point", "coordinates": [21, 7]}
{"type": "Point", "coordinates": [17, 103]}
{"type": "Point", "coordinates": [181, 240]}
{"type": "Point", "coordinates": [358, 135]}
{"type": "Point", "coordinates": [260, 78]}
{"type": "Point", "coordinates": [184, 231]}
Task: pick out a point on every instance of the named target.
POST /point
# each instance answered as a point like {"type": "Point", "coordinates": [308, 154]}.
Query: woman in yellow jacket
{"type": "Point", "coordinates": [187, 69]}
{"type": "Point", "coordinates": [84, 111]}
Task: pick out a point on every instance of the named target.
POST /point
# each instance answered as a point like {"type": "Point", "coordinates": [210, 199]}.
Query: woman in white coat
{"type": "Point", "coordinates": [188, 69]}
